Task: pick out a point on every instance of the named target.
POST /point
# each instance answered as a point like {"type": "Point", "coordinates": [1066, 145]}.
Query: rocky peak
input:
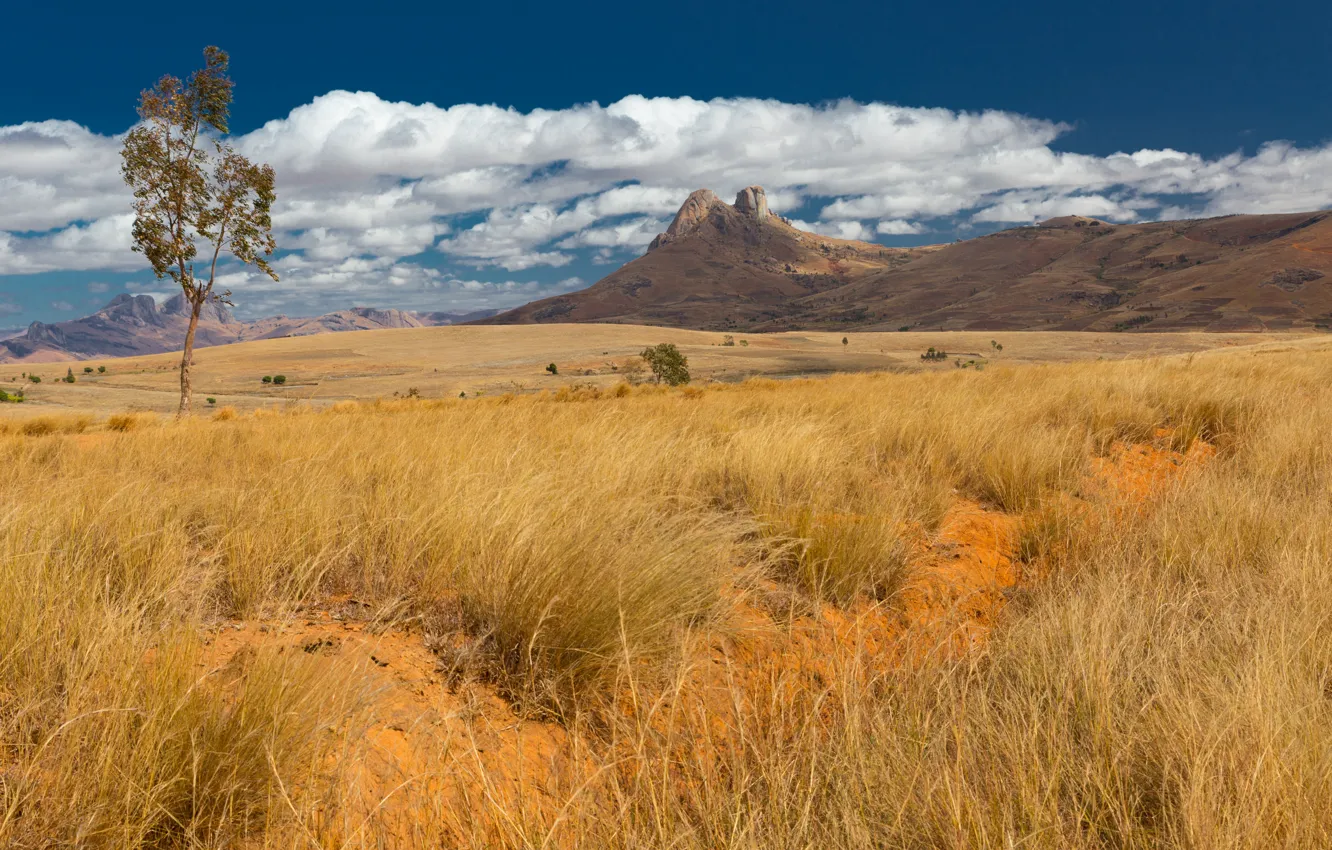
{"type": "Point", "coordinates": [40, 332]}
{"type": "Point", "coordinates": [693, 212]}
{"type": "Point", "coordinates": [137, 309]}
{"type": "Point", "coordinates": [213, 311]}
{"type": "Point", "coordinates": [753, 202]}
{"type": "Point", "coordinates": [702, 206]}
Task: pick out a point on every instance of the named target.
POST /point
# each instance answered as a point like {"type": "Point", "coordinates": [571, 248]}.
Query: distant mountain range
{"type": "Point", "coordinates": [737, 266]}
{"type": "Point", "coordinates": [137, 324]}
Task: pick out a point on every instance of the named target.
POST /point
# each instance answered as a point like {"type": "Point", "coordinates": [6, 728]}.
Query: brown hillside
{"type": "Point", "coordinates": [718, 266]}
{"type": "Point", "coordinates": [739, 267]}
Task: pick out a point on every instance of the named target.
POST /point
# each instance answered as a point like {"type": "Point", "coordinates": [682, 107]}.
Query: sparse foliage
{"type": "Point", "coordinates": [191, 189]}
{"type": "Point", "coordinates": [668, 365]}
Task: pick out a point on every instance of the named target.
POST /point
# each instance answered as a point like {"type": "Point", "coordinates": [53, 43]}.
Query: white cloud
{"type": "Point", "coordinates": [96, 287]}
{"type": "Point", "coordinates": [61, 305]}
{"type": "Point", "coordinates": [8, 309]}
{"type": "Point", "coordinates": [367, 186]}
{"type": "Point", "coordinates": [836, 229]}
{"type": "Point", "coordinates": [898, 227]}
{"type": "Point", "coordinates": [1033, 207]}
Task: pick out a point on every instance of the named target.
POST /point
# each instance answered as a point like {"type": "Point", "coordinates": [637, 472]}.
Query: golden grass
{"type": "Point", "coordinates": [1167, 685]}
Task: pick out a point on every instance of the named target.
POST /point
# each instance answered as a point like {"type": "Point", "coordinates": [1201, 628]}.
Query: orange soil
{"type": "Point", "coordinates": [421, 748]}
{"type": "Point", "coordinates": [413, 737]}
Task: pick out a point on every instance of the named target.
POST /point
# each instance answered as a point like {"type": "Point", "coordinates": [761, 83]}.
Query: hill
{"type": "Point", "coordinates": [135, 324]}
{"type": "Point", "coordinates": [719, 266]}
{"type": "Point", "coordinates": [737, 266]}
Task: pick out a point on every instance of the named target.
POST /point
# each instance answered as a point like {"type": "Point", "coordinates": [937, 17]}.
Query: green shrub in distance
{"type": "Point", "coordinates": [87, 370]}
{"type": "Point", "coordinates": [69, 375]}
{"type": "Point", "coordinates": [553, 369]}
{"type": "Point", "coordinates": [36, 379]}
{"type": "Point", "coordinates": [212, 400]}
{"type": "Point", "coordinates": [101, 369]}
{"type": "Point", "coordinates": [268, 379]}
{"type": "Point", "coordinates": [667, 364]}
{"type": "Point", "coordinates": [279, 379]}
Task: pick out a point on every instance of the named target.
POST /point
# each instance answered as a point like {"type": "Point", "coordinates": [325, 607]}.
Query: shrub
{"type": "Point", "coordinates": [212, 400]}
{"type": "Point", "coordinates": [87, 370]}
{"type": "Point", "coordinates": [69, 375]}
{"type": "Point", "coordinates": [905, 328]}
{"type": "Point", "coordinates": [845, 341]}
{"type": "Point", "coordinates": [462, 394]}
{"type": "Point", "coordinates": [553, 369]}
{"type": "Point", "coordinates": [932, 355]}
{"type": "Point", "coordinates": [667, 364]}
{"type": "Point", "coordinates": [36, 379]}
{"type": "Point", "coordinates": [101, 370]}
{"type": "Point", "coordinates": [268, 379]}
{"type": "Point", "coordinates": [728, 340]}
{"type": "Point", "coordinates": [745, 343]}
{"type": "Point", "coordinates": [279, 379]}
{"type": "Point", "coordinates": [413, 392]}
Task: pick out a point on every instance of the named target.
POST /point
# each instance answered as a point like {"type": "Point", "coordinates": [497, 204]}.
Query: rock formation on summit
{"type": "Point", "coordinates": [753, 202]}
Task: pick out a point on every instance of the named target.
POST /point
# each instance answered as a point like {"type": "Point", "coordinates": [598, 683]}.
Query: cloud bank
{"type": "Point", "coordinates": [378, 199]}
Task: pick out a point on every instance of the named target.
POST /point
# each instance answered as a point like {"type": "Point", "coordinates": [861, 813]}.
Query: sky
{"type": "Point", "coordinates": [461, 160]}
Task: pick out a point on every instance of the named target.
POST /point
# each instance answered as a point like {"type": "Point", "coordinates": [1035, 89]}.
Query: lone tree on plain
{"type": "Point", "coordinates": [667, 364]}
{"type": "Point", "coordinates": [192, 189]}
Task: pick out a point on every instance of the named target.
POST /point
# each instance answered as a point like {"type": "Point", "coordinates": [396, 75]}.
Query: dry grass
{"type": "Point", "coordinates": [1168, 685]}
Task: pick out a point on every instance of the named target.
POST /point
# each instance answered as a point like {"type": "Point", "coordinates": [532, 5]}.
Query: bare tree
{"type": "Point", "coordinates": [192, 190]}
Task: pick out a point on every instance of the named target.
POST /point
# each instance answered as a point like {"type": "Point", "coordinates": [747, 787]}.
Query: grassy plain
{"type": "Point", "coordinates": [443, 362]}
{"type": "Point", "coordinates": [725, 616]}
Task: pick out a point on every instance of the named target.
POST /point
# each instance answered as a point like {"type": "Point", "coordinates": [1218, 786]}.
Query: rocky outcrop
{"type": "Point", "coordinates": [693, 212]}
{"type": "Point", "coordinates": [212, 311]}
{"type": "Point", "coordinates": [752, 202]}
{"type": "Point", "coordinates": [703, 210]}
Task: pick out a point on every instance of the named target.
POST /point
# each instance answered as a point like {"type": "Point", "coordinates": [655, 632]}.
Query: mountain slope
{"type": "Point", "coordinates": [722, 266]}
{"type": "Point", "coordinates": [1270, 272]}
{"type": "Point", "coordinates": [135, 324]}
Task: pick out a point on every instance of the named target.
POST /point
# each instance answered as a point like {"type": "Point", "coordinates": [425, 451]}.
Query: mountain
{"type": "Point", "coordinates": [722, 266]}
{"type": "Point", "coordinates": [719, 265]}
{"type": "Point", "coordinates": [136, 324]}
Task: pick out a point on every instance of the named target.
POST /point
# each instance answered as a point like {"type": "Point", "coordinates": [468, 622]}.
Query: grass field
{"type": "Point", "coordinates": [1044, 605]}
{"type": "Point", "coordinates": [443, 362]}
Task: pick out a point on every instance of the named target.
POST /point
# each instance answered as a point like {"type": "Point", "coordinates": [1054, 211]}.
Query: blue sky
{"type": "Point", "coordinates": [485, 157]}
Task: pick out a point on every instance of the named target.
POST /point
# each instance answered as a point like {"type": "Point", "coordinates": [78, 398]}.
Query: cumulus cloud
{"type": "Point", "coordinates": [9, 309]}
{"type": "Point", "coordinates": [898, 227]}
{"type": "Point", "coordinates": [379, 198]}
{"type": "Point", "coordinates": [838, 229]}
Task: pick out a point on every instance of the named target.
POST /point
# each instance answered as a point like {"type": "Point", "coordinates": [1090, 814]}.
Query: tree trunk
{"type": "Point", "coordinates": [187, 359]}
